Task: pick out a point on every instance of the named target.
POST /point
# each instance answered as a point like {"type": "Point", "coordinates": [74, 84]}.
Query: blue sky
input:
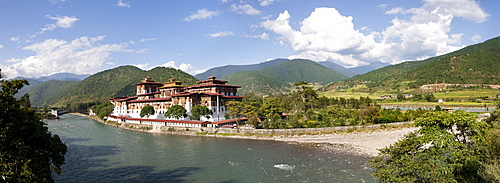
{"type": "Point", "coordinates": [43, 37]}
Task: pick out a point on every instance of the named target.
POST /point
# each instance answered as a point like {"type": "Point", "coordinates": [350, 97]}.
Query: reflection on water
{"type": "Point", "coordinates": [100, 153]}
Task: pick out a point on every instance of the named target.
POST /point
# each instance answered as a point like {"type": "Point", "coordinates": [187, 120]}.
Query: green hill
{"type": "Point", "coordinates": [47, 93]}
{"type": "Point", "coordinates": [257, 83]}
{"type": "Point", "coordinates": [118, 82]}
{"type": "Point", "coordinates": [475, 64]}
{"type": "Point", "coordinates": [302, 70]}
{"type": "Point", "coordinates": [232, 69]}
{"type": "Point", "coordinates": [279, 78]}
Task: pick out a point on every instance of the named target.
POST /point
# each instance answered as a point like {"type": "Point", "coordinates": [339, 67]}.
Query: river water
{"type": "Point", "coordinates": [101, 153]}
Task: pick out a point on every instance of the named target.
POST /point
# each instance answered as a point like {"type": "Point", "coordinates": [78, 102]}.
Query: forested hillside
{"type": "Point", "coordinates": [34, 82]}
{"type": "Point", "coordinates": [280, 77]}
{"type": "Point", "coordinates": [118, 82]}
{"type": "Point", "coordinates": [302, 70]}
{"type": "Point", "coordinates": [232, 69]}
{"type": "Point", "coordinates": [257, 83]}
{"type": "Point", "coordinates": [47, 93]}
{"type": "Point", "coordinates": [475, 64]}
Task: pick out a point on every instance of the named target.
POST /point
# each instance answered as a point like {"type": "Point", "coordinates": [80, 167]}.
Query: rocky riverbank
{"type": "Point", "coordinates": [362, 140]}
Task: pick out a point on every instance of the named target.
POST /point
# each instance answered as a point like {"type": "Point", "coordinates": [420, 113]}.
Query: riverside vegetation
{"type": "Point", "coordinates": [28, 151]}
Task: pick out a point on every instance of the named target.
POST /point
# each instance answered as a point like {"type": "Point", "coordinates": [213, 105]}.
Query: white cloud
{"type": "Point", "coordinates": [14, 38]}
{"type": "Point", "coordinates": [244, 9]}
{"type": "Point", "coordinates": [264, 36]}
{"type": "Point", "coordinates": [266, 2]}
{"type": "Point", "coordinates": [188, 68]}
{"type": "Point", "coordinates": [1, 46]}
{"type": "Point", "coordinates": [476, 38]}
{"type": "Point", "coordinates": [201, 14]}
{"type": "Point", "coordinates": [61, 22]}
{"type": "Point", "coordinates": [467, 9]}
{"type": "Point", "coordinates": [221, 34]}
{"type": "Point", "coordinates": [149, 39]}
{"type": "Point", "coordinates": [122, 4]}
{"type": "Point", "coordinates": [328, 35]}
{"type": "Point", "coordinates": [80, 56]}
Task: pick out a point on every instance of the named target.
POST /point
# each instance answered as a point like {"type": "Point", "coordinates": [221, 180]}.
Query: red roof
{"type": "Point", "coordinates": [151, 83]}
{"type": "Point", "coordinates": [205, 85]}
{"type": "Point", "coordinates": [207, 93]}
{"type": "Point", "coordinates": [211, 81]}
{"type": "Point", "coordinates": [150, 100]}
{"type": "Point", "coordinates": [117, 117]}
{"type": "Point", "coordinates": [168, 121]}
{"type": "Point", "coordinates": [228, 121]}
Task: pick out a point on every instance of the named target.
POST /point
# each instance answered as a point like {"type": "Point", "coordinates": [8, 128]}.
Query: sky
{"type": "Point", "coordinates": [44, 37]}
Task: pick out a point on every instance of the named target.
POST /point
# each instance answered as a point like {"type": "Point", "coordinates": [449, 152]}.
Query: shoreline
{"type": "Point", "coordinates": [363, 143]}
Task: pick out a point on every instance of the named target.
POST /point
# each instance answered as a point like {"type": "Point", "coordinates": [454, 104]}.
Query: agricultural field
{"type": "Point", "coordinates": [472, 97]}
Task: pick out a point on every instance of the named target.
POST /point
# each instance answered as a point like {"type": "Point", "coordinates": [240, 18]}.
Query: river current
{"type": "Point", "coordinates": [101, 153]}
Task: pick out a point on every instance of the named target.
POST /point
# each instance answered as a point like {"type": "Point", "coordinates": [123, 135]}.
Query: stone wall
{"type": "Point", "coordinates": [246, 131]}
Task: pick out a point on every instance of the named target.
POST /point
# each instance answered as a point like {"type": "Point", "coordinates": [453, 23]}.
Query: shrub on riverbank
{"type": "Point", "coordinates": [307, 110]}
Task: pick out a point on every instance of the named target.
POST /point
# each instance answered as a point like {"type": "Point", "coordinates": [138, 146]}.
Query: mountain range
{"type": "Point", "coordinates": [279, 78]}
{"type": "Point", "coordinates": [471, 65]}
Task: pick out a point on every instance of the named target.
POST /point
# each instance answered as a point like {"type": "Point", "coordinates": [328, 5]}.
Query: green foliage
{"type": "Point", "coordinates": [490, 166]}
{"type": "Point", "coordinates": [147, 111]}
{"type": "Point", "coordinates": [176, 112]}
{"type": "Point", "coordinates": [446, 148]}
{"type": "Point", "coordinates": [198, 111]}
{"type": "Point", "coordinates": [48, 92]}
{"type": "Point", "coordinates": [103, 109]}
{"type": "Point", "coordinates": [256, 83]}
{"type": "Point", "coordinates": [28, 151]}
{"type": "Point", "coordinates": [309, 110]}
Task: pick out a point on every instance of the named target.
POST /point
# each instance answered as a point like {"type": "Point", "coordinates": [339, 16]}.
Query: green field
{"type": "Point", "coordinates": [451, 98]}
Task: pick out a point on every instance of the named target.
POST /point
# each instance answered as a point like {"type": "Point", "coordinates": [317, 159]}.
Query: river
{"type": "Point", "coordinates": [101, 153]}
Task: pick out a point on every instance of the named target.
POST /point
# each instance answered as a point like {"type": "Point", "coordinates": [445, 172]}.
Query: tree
{"type": "Point", "coordinates": [306, 93]}
{"type": "Point", "coordinates": [28, 151]}
{"type": "Point", "coordinates": [238, 109]}
{"type": "Point", "coordinates": [447, 148]}
{"type": "Point", "coordinates": [430, 97]}
{"type": "Point", "coordinates": [176, 111]}
{"type": "Point", "coordinates": [198, 111]}
{"type": "Point", "coordinates": [147, 111]}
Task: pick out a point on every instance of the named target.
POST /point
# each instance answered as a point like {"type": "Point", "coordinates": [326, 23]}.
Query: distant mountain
{"type": "Point", "coordinates": [47, 93]}
{"type": "Point", "coordinates": [257, 83]}
{"type": "Point", "coordinates": [279, 78]}
{"type": "Point", "coordinates": [64, 77]}
{"type": "Point", "coordinates": [231, 69]}
{"type": "Point", "coordinates": [338, 68]}
{"type": "Point", "coordinates": [475, 64]}
{"type": "Point", "coordinates": [368, 68]}
{"type": "Point", "coordinates": [118, 82]}
{"type": "Point", "coordinates": [34, 82]}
